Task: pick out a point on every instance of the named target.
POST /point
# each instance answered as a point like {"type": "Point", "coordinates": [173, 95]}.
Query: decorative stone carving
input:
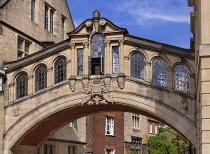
{"type": "Point", "coordinates": [96, 99]}
{"type": "Point", "coordinates": [89, 23]}
{"type": "Point", "coordinates": [96, 14]}
{"type": "Point", "coordinates": [121, 81]}
{"type": "Point", "coordinates": [11, 85]}
{"type": "Point", "coordinates": [49, 69]}
{"type": "Point", "coordinates": [15, 112]}
{"type": "Point", "coordinates": [107, 83]}
{"type": "Point", "coordinates": [85, 84]}
{"type": "Point", "coordinates": [72, 83]}
{"type": "Point", "coordinates": [102, 22]}
{"type": "Point", "coordinates": [184, 104]}
{"type": "Point", "coordinates": [114, 83]}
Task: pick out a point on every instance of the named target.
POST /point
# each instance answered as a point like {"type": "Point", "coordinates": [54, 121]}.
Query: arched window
{"type": "Point", "coordinates": [22, 85]}
{"type": "Point", "coordinates": [41, 78]}
{"type": "Point", "coordinates": [159, 72]}
{"type": "Point", "coordinates": [181, 78]}
{"type": "Point", "coordinates": [97, 54]}
{"type": "Point", "coordinates": [137, 66]}
{"type": "Point", "coordinates": [60, 70]}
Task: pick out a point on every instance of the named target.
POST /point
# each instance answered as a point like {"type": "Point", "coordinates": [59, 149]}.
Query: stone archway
{"type": "Point", "coordinates": [51, 114]}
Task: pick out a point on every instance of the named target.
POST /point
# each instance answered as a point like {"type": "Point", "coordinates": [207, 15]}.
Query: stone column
{"type": "Point", "coordinates": [170, 78]}
{"type": "Point", "coordinates": [50, 78]}
{"type": "Point", "coordinates": [108, 60]}
{"type": "Point", "coordinates": [121, 56]}
{"type": "Point", "coordinates": [85, 59]}
{"type": "Point", "coordinates": [147, 71]}
{"type": "Point", "coordinates": [73, 60]}
{"type": "Point", "coordinates": [30, 85]}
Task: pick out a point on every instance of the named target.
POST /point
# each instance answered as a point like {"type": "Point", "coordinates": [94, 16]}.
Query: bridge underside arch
{"type": "Point", "coordinates": [35, 126]}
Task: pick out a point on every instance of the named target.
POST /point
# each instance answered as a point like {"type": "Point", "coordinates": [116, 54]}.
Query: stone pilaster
{"type": "Point", "coordinates": [121, 56]}
{"type": "Point", "coordinates": [85, 58]}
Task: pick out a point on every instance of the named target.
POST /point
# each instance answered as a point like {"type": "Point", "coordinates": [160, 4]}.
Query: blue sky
{"type": "Point", "coordinates": [165, 21]}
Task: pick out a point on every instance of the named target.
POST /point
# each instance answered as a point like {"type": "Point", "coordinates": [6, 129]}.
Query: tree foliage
{"type": "Point", "coordinates": [168, 141]}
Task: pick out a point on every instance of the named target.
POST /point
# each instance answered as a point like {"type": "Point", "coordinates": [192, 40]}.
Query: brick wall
{"type": "Point", "coordinates": [97, 141]}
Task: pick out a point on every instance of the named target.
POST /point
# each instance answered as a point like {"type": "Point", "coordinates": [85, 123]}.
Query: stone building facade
{"type": "Point", "coordinates": [97, 67]}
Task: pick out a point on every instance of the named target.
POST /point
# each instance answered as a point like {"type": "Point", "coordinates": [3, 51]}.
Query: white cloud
{"type": "Point", "coordinates": [147, 12]}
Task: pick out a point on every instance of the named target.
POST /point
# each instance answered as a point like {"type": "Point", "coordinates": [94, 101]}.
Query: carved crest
{"type": "Point", "coordinates": [72, 83]}
{"type": "Point", "coordinates": [86, 84]}
{"type": "Point", "coordinates": [121, 81]}
{"type": "Point", "coordinates": [184, 104]}
{"type": "Point", "coordinates": [107, 83]}
{"type": "Point", "coordinates": [96, 99]}
{"type": "Point", "coordinates": [15, 112]}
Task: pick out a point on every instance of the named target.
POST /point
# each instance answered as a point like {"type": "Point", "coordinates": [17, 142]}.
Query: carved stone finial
{"type": "Point", "coordinates": [96, 14]}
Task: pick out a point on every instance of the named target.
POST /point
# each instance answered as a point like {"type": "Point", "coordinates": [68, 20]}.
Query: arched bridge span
{"type": "Point", "coordinates": [33, 118]}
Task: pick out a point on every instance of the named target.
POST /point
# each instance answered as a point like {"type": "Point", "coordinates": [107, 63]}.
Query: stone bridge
{"type": "Point", "coordinates": [99, 68]}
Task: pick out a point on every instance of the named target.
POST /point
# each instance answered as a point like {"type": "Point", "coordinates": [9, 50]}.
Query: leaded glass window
{"type": "Point", "coordinates": [60, 70]}
{"type": "Point", "coordinates": [181, 78]}
{"type": "Point", "coordinates": [115, 58]}
{"type": "Point", "coordinates": [159, 72]}
{"type": "Point", "coordinates": [22, 86]}
{"type": "Point", "coordinates": [137, 66]}
{"type": "Point", "coordinates": [79, 61]}
{"type": "Point", "coordinates": [40, 78]}
{"type": "Point", "coordinates": [97, 46]}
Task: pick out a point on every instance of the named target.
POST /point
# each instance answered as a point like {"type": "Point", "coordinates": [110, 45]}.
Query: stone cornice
{"type": "Point", "coordinates": [83, 24]}
{"type": "Point", "coordinates": [166, 48]}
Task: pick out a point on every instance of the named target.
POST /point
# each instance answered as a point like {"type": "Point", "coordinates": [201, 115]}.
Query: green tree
{"type": "Point", "coordinates": [168, 141]}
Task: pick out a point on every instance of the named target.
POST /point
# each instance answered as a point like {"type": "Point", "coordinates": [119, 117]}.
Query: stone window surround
{"type": "Point", "coordinates": [49, 17]}
{"type": "Point", "coordinates": [23, 48]}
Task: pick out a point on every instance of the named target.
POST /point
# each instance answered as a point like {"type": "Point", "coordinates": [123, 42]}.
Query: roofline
{"type": "Point", "coordinates": [17, 64]}
{"type": "Point", "coordinates": [161, 47]}
{"type": "Point", "coordinates": [83, 23]}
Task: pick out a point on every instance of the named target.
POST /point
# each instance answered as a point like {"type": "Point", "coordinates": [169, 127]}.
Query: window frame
{"type": "Point", "coordinates": [58, 80]}
{"type": "Point", "coordinates": [21, 86]}
{"type": "Point", "coordinates": [109, 126]}
{"type": "Point", "coordinates": [33, 9]}
{"type": "Point", "coordinates": [133, 71]}
{"type": "Point", "coordinates": [163, 71]}
{"type": "Point", "coordinates": [188, 80]}
{"type": "Point", "coordinates": [117, 64]}
{"type": "Point", "coordinates": [109, 151]}
{"type": "Point", "coordinates": [43, 76]}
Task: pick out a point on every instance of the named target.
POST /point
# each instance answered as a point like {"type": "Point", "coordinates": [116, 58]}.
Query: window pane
{"type": "Point", "coordinates": [27, 45]}
{"type": "Point", "coordinates": [20, 44]}
{"type": "Point", "coordinates": [181, 78]}
{"type": "Point", "coordinates": [97, 46]}
{"type": "Point", "coordinates": [159, 72]}
{"type": "Point", "coordinates": [40, 78]}
{"type": "Point", "coordinates": [51, 21]}
{"type": "Point", "coordinates": [80, 62]}
{"type": "Point", "coordinates": [137, 66]}
{"type": "Point", "coordinates": [62, 28]}
{"type": "Point", "coordinates": [115, 58]}
{"type": "Point", "coordinates": [32, 10]}
{"type": "Point", "coordinates": [109, 126]}
{"type": "Point", "coordinates": [22, 86]}
{"type": "Point", "coordinates": [60, 70]}
{"type": "Point", "coordinates": [46, 18]}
